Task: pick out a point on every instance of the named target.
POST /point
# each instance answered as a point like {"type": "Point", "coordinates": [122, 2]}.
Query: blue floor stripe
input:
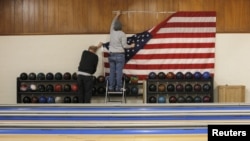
{"type": "Point", "coordinates": [104, 131]}
{"type": "Point", "coordinates": [122, 108]}
{"type": "Point", "coordinates": [110, 118]}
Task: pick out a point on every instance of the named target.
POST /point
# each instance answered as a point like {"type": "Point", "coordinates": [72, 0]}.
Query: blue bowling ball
{"type": "Point", "coordinates": [161, 99]}
{"type": "Point", "coordinates": [152, 75]}
{"type": "Point", "coordinates": [42, 99]}
{"type": "Point", "coordinates": [134, 90]}
{"type": "Point", "coordinates": [197, 75]}
{"type": "Point", "coordinates": [197, 99]}
{"type": "Point", "coordinates": [179, 75]}
{"type": "Point", "coordinates": [51, 99]}
{"type": "Point", "coordinates": [206, 75]}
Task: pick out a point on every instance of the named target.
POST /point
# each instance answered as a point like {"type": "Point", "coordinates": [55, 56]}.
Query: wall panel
{"type": "Point", "coordinates": [94, 16]}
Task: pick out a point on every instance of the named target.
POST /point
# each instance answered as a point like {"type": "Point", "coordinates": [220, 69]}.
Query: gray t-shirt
{"type": "Point", "coordinates": [118, 39]}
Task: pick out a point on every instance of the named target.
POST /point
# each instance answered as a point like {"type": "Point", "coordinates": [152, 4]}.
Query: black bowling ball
{"type": "Point", "coordinates": [67, 99]}
{"type": "Point", "coordinates": [26, 99]}
{"type": "Point", "coordinates": [152, 99]}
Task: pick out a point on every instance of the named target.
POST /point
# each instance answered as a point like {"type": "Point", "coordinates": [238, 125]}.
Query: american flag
{"type": "Point", "coordinates": [184, 42]}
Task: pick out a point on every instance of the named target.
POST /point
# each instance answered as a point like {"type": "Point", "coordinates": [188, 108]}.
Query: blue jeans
{"type": "Point", "coordinates": [116, 64]}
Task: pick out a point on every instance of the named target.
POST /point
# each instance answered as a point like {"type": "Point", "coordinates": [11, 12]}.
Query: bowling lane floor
{"type": "Point", "coordinates": [44, 137]}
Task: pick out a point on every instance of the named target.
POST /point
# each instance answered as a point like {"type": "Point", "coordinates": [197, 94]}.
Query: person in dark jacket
{"type": "Point", "coordinates": [87, 67]}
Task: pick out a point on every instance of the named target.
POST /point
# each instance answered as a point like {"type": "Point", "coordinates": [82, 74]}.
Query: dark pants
{"type": "Point", "coordinates": [86, 84]}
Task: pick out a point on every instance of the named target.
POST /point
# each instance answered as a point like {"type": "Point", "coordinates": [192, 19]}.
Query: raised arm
{"type": "Point", "coordinates": [114, 19]}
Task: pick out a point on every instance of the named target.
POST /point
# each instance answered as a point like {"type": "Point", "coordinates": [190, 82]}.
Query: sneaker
{"type": "Point", "coordinates": [110, 90]}
{"type": "Point", "coordinates": [119, 90]}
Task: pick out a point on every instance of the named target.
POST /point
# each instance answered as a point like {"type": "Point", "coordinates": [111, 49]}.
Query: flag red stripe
{"type": "Point", "coordinates": [180, 45]}
{"type": "Point", "coordinates": [174, 56]}
{"type": "Point", "coordinates": [194, 25]}
{"type": "Point", "coordinates": [195, 14]}
{"type": "Point", "coordinates": [184, 35]}
{"type": "Point", "coordinates": [168, 66]}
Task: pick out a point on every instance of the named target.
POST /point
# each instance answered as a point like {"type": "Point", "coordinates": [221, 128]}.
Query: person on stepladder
{"type": "Point", "coordinates": [118, 42]}
{"type": "Point", "coordinates": [87, 67]}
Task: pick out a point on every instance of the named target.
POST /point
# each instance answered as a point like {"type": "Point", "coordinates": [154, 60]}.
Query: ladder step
{"type": "Point", "coordinates": [115, 101]}
{"type": "Point", "coordinates": [115, 92]}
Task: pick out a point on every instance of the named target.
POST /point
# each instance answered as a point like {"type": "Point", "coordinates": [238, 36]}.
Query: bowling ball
{"type": "Point", "coordinates": [66, 76]}
{"type": "Point", "coordinates": [51, 99]}
{"type": "Point", "coordinates": [170, 87]}
{"type": "Point", "coordinates": [197, 99]}
{"type": "Point", "coordinates": [206, 75]}
{"type": "Point", "coordinates": [189, 99]}
{"type": "Point", "coordinates": [152, 87]}
{"type": "Point", "coordinates": [94, 79]}
{"type": "Point", "coordinates": [32, 76]}
{"type": "Point", "coordinates": [58, 76]}
{"type": "Point", "coordinates": [24, 87]}
{"type": "Point", "coordinates": [197, 75]}
{"type": "Point", "coordinates": [101, 79]}
{"type": "Point", "coordinates": [127, 91]}
{"type": "Point", "coordinates": [161, 88]}
{"type": "Point", "coordinates": [74, 87]}
{"type": "Point", "coordinates": [67, 99]}
{"type": "Point", "coordinates": [152, 75]}
{"type": "Point", "coordinates": [49, 76]}
{"type": "Point", "coordinates": [42, 99]}
{"type": "Point", "coordinates": [161, 75]}
{"type": "Point", "coordinates": [161, 99]}
{"type": "Point", "coordinates": [126, 78]}
{"type": "Point", "coordinates": [58, 99]}
{"type": "Point", "coordinates": [23, 76]}
{"type": "Point", "coordinates": [49, 88]}
{"type": "Point", "coordinates": [41, 88]}
{"type": "Point", "coordinates": [101, 90]}
{"type": "Point", "coordinates": [206, 87]}
{"type": "Point", "coordinates": [170, 75]}
{"type": "Point", "coordinates": [75, 99]}
{"type": "Point", "coordinates": [58, 88]}
{"type": "Point", "coordinates": [179, 75]}
{"type": "Point", "coordinates": [26, 99]}
{"type": "Point", "coordinates": [152, 99]}
{"type": "Point", "coordinates": [172, 99]}
{"type": "Point", "coordinates": [206, 99]}
{"type": "Point", "coordinates": [33, 87]}
{"type": "Point", "coordinates": [134, 90]}
{"type": "Point", "coordinates": [188, 75]}
{"type": "Point", "coordinates": [93, 91]}
{"type": "Point", "coordinates": [188, 88]}
{"type": "Point", "coordinates": [197, 87]}
{"type": "Point", "coordinates": [34, 99]}
{"type": "Point", "coordinates": [181, 99]}
{"type": "Point", "coordinates": [40, 76]}
{"type": "Point", "coordinates": [74, 76]}
{"type": "Point", "coordinates": [66, 88]}
{"type": "Point", "coordinates": [179, 87]}
{"type": "Point", "coordinates": [134, 79]}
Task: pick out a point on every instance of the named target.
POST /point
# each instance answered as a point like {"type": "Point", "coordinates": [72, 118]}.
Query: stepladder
{"type": "Point", "coordinates": [115, 96]}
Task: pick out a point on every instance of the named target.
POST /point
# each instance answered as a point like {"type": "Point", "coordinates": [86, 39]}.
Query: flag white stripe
{"type": "Point", "coordinates": [176, 51]}
{"type": "Point", "coordinates": [192, 19]}
{"type": "Point", "coordinates": [169, 61]}
{"type": "Point", "coordinates": [187, 30]}
{"type": "Point", "coordinates": [180, 40]}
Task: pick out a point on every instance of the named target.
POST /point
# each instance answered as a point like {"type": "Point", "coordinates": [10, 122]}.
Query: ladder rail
{"type": "Point", "coordinates": [122, 93]}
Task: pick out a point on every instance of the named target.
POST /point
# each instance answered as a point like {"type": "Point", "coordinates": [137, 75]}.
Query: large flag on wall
{"type": "Point", "coordinates": [184, 42]}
